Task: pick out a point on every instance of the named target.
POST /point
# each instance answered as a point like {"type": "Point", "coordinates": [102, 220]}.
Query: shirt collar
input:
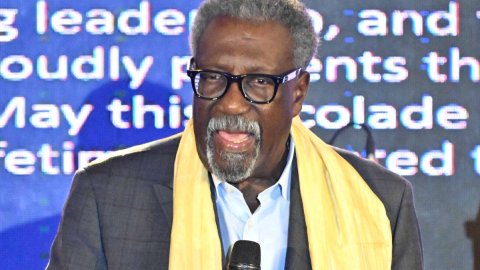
{"type": "Point", "coordinates": [283, 181]}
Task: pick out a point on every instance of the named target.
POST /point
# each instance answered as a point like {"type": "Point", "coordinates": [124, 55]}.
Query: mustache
{"type": "Point", "coordinates": [234, 123]}
{"type": "Point", "coordinates": [232, 167]}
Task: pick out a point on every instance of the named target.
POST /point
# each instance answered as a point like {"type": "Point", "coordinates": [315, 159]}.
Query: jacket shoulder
{"type": "Point", "coordinates": [149, 158]}
{"type": "Point", "coordinates": [373, 173]}
{"type": "Point", "coordinates": [396, 194]}
{"type": "Point", "coordinates": [392, 189]}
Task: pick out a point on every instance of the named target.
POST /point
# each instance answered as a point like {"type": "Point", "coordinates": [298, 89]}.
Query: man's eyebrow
{"type": "Point", "coordinates": [227, 67]}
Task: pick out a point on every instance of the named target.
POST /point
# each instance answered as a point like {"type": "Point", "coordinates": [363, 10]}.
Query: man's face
{"type": "Point", "coordinates": [236, 139]}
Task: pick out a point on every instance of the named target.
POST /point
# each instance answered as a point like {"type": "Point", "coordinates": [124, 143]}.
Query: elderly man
{"type": "Point", "coordinates": [244, 168]}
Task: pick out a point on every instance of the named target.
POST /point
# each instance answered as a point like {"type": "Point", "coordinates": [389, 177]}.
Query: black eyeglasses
{"type": "Point", "coordinates": [256, 88]}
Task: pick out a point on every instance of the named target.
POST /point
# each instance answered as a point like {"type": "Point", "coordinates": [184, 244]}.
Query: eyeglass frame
{"type": "Point", "coordinates": [277, 80]}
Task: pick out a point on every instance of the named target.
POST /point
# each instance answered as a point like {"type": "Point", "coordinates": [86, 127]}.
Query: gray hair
{"type": "Point", "coordinates": [290, 13]}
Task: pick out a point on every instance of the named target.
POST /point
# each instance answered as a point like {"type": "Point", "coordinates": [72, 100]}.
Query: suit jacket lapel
{"type": "Point", "coordinates": [165, 199]}
{"type": "Point", "coordinates": [298, 256]}
{"type": "Point", "coordinates": [213, 194]}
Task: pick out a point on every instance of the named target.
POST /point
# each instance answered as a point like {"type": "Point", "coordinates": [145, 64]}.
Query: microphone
{"type": "Point", "coordinates": [245, 255]}
{"type": "Point", "coordinates": [370, 143]}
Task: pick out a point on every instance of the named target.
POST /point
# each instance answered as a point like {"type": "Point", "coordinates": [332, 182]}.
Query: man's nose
{"type": "Point", "coordinates": [233, 102]}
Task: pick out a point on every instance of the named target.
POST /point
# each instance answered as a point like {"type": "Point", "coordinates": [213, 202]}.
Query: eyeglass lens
{"type": "Point", "coordinates": [212, 85]}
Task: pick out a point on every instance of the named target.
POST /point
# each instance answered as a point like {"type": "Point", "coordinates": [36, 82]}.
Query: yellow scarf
{"type": "Point", "coordinates": [347, 225]}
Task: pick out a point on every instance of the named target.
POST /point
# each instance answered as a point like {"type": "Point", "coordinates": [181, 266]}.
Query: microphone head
{"type": "Point", "coordinates": [245, 255]}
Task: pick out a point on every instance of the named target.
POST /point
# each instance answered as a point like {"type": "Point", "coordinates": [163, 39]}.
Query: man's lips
{"type": "Point", "coordinates": [235, 137]}
{"type": "Point", "coordinates": [236, 141]}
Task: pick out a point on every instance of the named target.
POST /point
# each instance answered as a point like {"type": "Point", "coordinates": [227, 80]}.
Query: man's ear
{"type": "Point", "coordinates": [300, 92]}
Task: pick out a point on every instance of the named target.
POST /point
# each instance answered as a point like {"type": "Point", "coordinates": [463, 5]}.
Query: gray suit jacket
{"type": "Point", "coordinates": [119, 213]}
